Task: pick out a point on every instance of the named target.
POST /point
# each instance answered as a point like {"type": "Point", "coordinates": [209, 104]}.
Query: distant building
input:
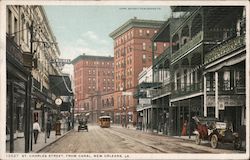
{"type": "Point", "coordinates": [132, 52]}
{"type": "Point", "coordinates": [93, 77]}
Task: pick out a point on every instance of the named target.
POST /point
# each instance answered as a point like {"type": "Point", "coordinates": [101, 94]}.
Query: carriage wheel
{"type": "Point", "coordinates": [197, 139]}
{"type": "Point", "coordinates": [237, 143]}
{"type": "Point", "coordinates": [214, 141]}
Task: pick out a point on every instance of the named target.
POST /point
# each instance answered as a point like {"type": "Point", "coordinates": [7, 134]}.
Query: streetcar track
{"type": "Point", "coordinates": [172, 145]}
{"type": "Point", "coordinates": [136, 140]}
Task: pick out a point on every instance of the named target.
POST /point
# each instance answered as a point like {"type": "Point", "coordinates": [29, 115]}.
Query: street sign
{"type": "Point", "coordinates": [64, 61]}
{"type": "Point", "coordinates": [127, 93]}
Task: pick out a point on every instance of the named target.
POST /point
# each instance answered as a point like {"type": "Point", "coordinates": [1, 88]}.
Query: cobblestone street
{"type": "Point", "coordinates": [120, 140]}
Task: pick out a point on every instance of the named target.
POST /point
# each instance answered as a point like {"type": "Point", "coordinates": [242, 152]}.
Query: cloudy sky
{"type": "Point", "coordinates": [86, 29]}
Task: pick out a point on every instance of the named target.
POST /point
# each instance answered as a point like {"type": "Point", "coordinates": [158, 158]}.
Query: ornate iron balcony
{"type": "Point", "coordinates": [186, 89]}
{"type": "Point", "coordinates": [225, 48]}
{"type": "Point", "coordinates": [13, 49]}
{"type": "Point", "coordinates": [188, 46]}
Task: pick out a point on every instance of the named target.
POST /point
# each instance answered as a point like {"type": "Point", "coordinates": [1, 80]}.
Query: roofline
{"type": "Point", "coordinates": [82, 57]}
{"type": "Point", "coordinates": [49, 28]}
{"type": "Point", "coordinates": [135, 23]}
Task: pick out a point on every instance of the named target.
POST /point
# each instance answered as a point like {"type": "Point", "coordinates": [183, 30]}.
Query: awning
{"type": "Point", "coordinates": [60, 85]}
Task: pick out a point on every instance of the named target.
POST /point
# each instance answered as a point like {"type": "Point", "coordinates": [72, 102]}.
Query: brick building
{"type": "Point", "coordinates": [132, 52]}
{"type": "Point", "coordinates": [93, 77]}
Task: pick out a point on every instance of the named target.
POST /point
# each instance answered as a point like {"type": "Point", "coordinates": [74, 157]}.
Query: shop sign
{"type": "Point", "coordinates": [221, 106]}
{"type": "Point", "coordinates": [144, 101]}
{"type": "Point", "coordinates": [232, 100]}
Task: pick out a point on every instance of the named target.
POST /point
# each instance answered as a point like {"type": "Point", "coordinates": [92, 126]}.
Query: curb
{"type": "Point", "coordinates": [163, 135]}
{"type": "Point", "coordinates": [53, 141]}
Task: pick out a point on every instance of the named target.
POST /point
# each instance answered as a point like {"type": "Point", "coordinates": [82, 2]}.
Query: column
{"type": "Point", "coordinates": [11, 117]}
{"type": "Point", "coordinates": [189, 118]}
{"type": "Point", "coordinates": [152, 119]}
{"type": "Point", "coordinates": [216, 96]}
{"type": "Point", "coordinates": [179, 120]}
{"type": "Point", "coordinates": [205, 96]}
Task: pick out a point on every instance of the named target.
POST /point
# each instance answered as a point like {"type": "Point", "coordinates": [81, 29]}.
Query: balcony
{"type": "Point", "coordinates": [188, 46]}
{"type": "Point", "coordinates": [13, 50]}
{"type": "Point", "coordinates": [166, 53]}
{"type": "Point", "coordinates": [162, 90]}
{"type": "Point", "coordinates": [225, 48]}
{"type": "Point", "coordinates": [187, 89]}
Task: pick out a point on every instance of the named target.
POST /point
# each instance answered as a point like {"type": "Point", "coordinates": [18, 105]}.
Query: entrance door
{"type": "Point", "coordinates": [232, 114]}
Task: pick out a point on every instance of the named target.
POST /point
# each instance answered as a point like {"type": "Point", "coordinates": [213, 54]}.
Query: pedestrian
{"type": "Point", "coordinates": [184, 128]}
{"type": "Point", "coordinates": [36, 130]}
{"type": "Point", "coordinates": [48, 128]}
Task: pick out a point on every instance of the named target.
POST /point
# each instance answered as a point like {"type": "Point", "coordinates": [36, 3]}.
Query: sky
{"type": "Point", "coordinates": [86, 29]}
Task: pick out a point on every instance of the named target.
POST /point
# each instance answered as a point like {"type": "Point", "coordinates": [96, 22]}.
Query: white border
{"type": "Point", "coordinates": [3, 3]}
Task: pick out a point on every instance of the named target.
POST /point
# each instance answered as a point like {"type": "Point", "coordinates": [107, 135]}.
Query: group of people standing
{"type": "Point", "coordinates": [37, 129]}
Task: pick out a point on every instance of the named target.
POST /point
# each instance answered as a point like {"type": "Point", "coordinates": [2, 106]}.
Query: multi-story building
{"type": "Point", "coordinates": [93, 78]}
{"type": "Point", "coordinates": [30, 46]}
{"type": "Point", "coordinates": [132, 52]}
{"type": "Point", "coordinates": [205, 65]}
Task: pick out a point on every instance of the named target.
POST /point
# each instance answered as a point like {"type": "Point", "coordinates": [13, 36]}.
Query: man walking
{"type": "Point", "coordinates": [48, 128]}
{"type": "Point", "coordinates": [36, 130]}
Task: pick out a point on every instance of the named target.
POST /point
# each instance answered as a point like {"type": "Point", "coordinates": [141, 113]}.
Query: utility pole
{"type": "Point", "coordinates": [28, 131]}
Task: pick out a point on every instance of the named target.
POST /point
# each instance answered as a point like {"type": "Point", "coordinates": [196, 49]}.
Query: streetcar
{"type": "Point", "coordinates": [104, 121]}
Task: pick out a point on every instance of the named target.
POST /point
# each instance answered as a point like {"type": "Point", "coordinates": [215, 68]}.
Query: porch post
{"type": "Point", "coordinates": [189, 118]}
{"type": "Point", "coordinates": [179, 119]}
{"type": "Point", "coordinates": [205, 96]}
{"type": "Point", "coordinates": [11, 117]}
{"type": "Point", "coordinates": [216, 96]}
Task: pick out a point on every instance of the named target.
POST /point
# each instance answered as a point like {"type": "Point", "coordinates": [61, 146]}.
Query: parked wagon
{"type": "Point", "coordinates": [214, 131]}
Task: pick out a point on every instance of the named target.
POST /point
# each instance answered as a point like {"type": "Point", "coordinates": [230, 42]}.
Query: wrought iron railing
{"type": "Point", "coordinates": [189, 45]}
{"type": "Point", "coordinates": [13, 49]}
{"type": "Point", "coordinates": [185, 89]}
{"type": "Point", "coordinates": [225, 48]}
{"type": "Point", "coordinates": [164, 54]}
{"type": "Point", "coordinates": [163, 89]}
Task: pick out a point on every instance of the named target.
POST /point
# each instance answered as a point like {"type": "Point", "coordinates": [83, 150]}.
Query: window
{"type": "Point", "coordinates": [155, 46]}
{"type": "Point", "coordinates": [9, 22]}
{"type": "Point", "coordinates": [22, 27]}
{"type": "Point", "coordinates": [28, 35]}
{"type": "Point", "coordinates": [89, 71]}
{"type": "Point", "coordinates": [155, 31]}
{"type": "Point", "coordinates": [226, 78]}
{"type": "Point", "coordinates": [148, 32]}
{"type": "Point", "coordinates": [164, 44]}
{"type": "Point", "coordinates": [144, 58]}
{"type": "Point", "coordinates": [140, 32]}
{"type": "Point", "coordinates": [144, 46]}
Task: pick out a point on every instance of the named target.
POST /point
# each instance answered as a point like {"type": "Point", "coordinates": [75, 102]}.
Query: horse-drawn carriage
{"type": "Point", "coordinates": [214, 131]}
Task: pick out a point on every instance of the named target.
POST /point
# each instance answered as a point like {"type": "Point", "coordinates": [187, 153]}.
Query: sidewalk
{"type": "Point", "coordinates": [19, 144]}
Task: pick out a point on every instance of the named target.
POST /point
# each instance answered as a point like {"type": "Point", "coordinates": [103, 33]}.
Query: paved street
{"type": "Point", "coordinates": [120, 140]}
